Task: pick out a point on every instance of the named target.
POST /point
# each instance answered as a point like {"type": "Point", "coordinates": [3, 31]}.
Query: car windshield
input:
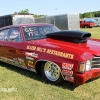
{"type": "Point", "coordinates": [38, 32]}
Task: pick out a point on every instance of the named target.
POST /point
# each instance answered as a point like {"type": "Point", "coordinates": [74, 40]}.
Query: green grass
{"type": "Point", "coordinates": [31, 86]}
{"type": "Point", "coordinates": [95, 32]}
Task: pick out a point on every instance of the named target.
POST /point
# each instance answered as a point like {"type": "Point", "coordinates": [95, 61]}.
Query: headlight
{"type": "Point", "coordinates": [88, 65]}
{"type": "Point", "coordinates": [85, 66]}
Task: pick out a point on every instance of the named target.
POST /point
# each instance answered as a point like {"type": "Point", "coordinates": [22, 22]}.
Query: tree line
{"type": "Point", "coordinates": [84, 15]}
{"type": "Point", "coordinates": [90, 14]}
{"type": "Point", "coordinates": [26, 11]}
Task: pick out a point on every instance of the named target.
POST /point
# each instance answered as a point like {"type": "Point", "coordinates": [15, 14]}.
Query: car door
{"type": "Point", "coordinates": [2, 32]}
{"type": "Point", "coordinates": [13, 48]}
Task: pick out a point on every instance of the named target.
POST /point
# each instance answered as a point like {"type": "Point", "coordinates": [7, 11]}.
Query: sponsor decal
{"type": "Point", "coordinates": [30, 61]}
{"type": "Point", "coordinates": [21, 62]}
{"type": "Point", "coordinates": [30, 58]}
{"type": "Point", "coordinates": [31, 54]}
{"type": "Point", "coordinates": [67, 72]}
{"type": "Point", "coordinates": [71, 79]}
{"type": "Point", "coordinates": [31, 47]}
{"type": "Point", "coordinates": [3, 59]}
{"type": "Point", "coordinates": [60, 54]}
{"type": "Point", "coordinates": [67, 66]}
{"type": "Point", "coordinates": [11, 61]}
{"type": "Point", "coordinates": [16, 61]}
{"type": "Point", "coordinates": [51, 51]}
{"type": "Point", "coordinates": [41, 49]}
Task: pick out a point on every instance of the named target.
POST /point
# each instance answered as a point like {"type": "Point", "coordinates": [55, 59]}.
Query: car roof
{"type": "Point", "coordinates": [21, 25]}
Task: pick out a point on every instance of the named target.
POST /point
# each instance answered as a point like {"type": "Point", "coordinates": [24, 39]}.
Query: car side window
{"type": "Point", "coordinates": [2, 34]}
{"type": "Point", "coordinates": [14, 35]}
{"type": "Point", "coordinates": [6, 34]}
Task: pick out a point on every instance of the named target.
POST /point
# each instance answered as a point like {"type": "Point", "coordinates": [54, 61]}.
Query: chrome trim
{"type": "Point", "coordinates": [95, 62]}
{"type": "Point", "coordinates": [96, 57]}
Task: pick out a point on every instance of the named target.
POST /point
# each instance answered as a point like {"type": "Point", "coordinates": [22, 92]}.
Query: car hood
{"type": "Point", "coordinates": [92, 46]}
{"type": "Point", "coordinates": [81, 51]}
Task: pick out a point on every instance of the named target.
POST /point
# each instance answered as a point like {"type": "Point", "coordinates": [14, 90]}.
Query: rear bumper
{"type": "Point", "coordinates": [82, 78]}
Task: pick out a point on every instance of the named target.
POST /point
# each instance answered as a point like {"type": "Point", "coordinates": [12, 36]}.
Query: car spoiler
{"type": "Point", "coordinates": [70, 36]}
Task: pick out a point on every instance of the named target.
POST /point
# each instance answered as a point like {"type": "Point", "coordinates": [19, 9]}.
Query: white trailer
{"type": "Point", "coordinates": [63, 21]}
{"type": "Point", "coordinates": [14, 19]}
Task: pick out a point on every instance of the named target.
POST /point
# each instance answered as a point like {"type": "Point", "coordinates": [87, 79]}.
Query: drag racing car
{"type": "Point", "coordinates": [57, 55]}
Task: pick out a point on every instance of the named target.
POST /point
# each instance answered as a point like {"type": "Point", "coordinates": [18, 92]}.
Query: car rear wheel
{"type": "Point", "coordinates": [51, 73]}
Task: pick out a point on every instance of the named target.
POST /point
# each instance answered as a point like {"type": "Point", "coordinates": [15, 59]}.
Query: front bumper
{"type": "Point", "coordinates": [82, 78]}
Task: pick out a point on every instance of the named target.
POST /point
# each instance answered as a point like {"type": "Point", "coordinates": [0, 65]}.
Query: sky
{"type": "Point", "coordinates": [49, 7]}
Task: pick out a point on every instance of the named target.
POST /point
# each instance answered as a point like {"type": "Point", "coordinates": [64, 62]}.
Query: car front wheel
{"type": "Point", "coordinates": [51, 73]}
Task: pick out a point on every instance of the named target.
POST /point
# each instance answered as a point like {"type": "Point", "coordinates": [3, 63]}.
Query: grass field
{"type": "Point", "coordinates": [19, 84]}
{"type": "Point", "coordinates": [94, 31]}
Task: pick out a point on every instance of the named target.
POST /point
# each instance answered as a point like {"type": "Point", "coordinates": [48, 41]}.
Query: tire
{"type": "Point", "coordinates": [85, 26]}
{"type": "Point", "coordinates": [51, 73]}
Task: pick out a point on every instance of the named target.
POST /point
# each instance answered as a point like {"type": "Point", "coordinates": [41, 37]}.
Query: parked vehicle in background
{"type": "Point", "coordinates": [85, 24]}
{"type": "Point", "coordinates": [14, 19]}
{"type": "Point", "coordinates": [97, 22]}
{"type": "Point", "coordinates": [56, 55]}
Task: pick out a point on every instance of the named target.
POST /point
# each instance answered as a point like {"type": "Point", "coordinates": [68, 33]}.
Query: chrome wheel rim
{"type": "Point", "coordinates": [51, 71]}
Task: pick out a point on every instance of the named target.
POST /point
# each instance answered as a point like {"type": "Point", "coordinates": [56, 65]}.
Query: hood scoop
{"type": "Point", "coordinates": [70, 36]}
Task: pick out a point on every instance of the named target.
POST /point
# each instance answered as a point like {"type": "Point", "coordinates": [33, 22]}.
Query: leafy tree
{"type": "Point", "coordinates": [26, 11]}
{"type": "Point", "coordinates": [90, 14]}
{"type": "Point", "coordinates": [38, 16]}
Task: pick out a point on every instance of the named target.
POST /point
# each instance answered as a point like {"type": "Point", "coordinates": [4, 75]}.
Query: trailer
{"type": "Point", "coordinates": [14, 19]}
{"type": "Point", "coordinates": [63, 21]}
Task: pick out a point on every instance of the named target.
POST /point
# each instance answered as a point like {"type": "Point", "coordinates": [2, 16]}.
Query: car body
{"type": "Point", "coordinates": [85, 24]}
{"type": "Point", "coordinates": [68, 55]}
